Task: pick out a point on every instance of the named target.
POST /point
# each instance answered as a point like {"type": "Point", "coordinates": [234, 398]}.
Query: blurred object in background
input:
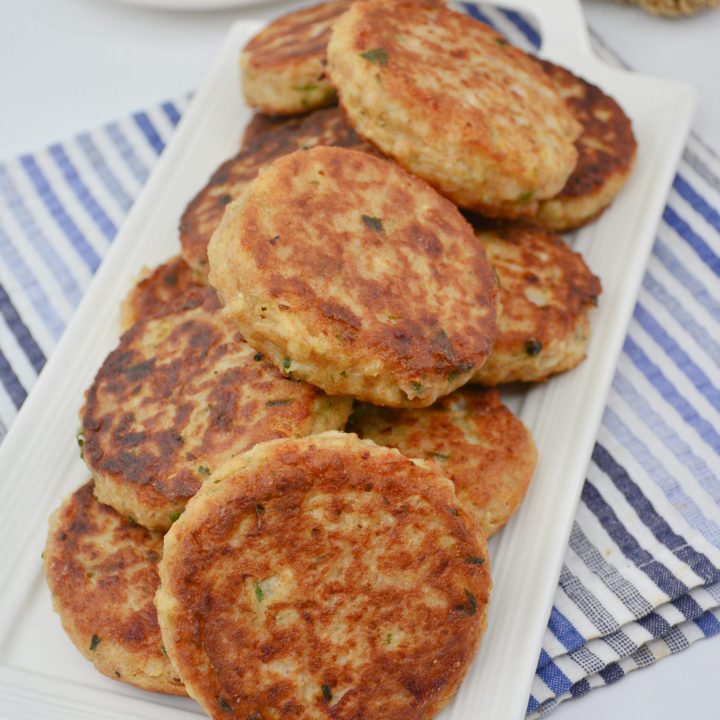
{"type": "Point", "coordinates": [674, 8]}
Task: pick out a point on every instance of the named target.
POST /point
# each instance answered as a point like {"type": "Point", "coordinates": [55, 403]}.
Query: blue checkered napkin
{"type": "Point", "coordinates": [641, 577]}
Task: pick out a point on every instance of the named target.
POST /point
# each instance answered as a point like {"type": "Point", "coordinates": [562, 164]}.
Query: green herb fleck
{"type": "Point", "coordinates": [224, 705]}
{"type": "Point", "coordinates": [162, 649]}
{"type": "Point", "coordinates": [308, 87]}
{"type": "Point", "coordinates": [453, 511]}
{"type": "Point", "coordinates": [80, 437]}
{"type": "Point", "coordinates": [501, 41]}
{"type": "Point", "coordinates": [257, 357]}
{"type": "Point", "coordinates": [203, 469]}
{"type": "Point", "coordinates": [418, 387]}
{"type": "Point", "coordinates": [131, 520]}
{"type": "Point", "coordinates": [174, 516]}
{"type": "Point", "coordinates": [461, 369]}
{"type": "Point", "coordinates": [438, 455]}
{"type": "Point", "coordinates": [533, 347]}
{"type": "Point", "coordinates": [259, 593]}
{"type": "Point", "coordinates": [376, 55]}
{"type": "Point", "coordinates": [472, 560]}
{"type": "Point", "coordinates": [225, 199]}
{"type": "Point", "coordinates": [42, 555]}
{"type": "Point", "coordinates": [343, 373]}
{"type": "Point", "coordinates": [259, 509]}
{"type": "Point", "coordinates": [94, 642]}
{"type": "Point", "coordinates": [388, 638]}
{"type": "Point", "coordinates": [471, 607]}
{"type": "Point", "coordinates": [374, 223]}
{"type": "Point", "coordinates": [327, 692]}
{"type": "Point", "coordinates": [526, 196]}
{"type": "Point", "coordinates": [276, 403]}
{"type": "Point", "coordinates": [287, 362]}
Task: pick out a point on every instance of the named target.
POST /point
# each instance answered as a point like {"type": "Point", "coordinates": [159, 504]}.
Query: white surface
{"type": "Point", "coordinates": [72, 64]}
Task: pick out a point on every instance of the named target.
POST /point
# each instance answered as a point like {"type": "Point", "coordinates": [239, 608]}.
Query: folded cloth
{"type": "Point", "coordinates": [641, 576]}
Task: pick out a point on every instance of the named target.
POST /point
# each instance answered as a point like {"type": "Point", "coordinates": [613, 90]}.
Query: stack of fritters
{"type": "Point", "coordinates": [308, 572]}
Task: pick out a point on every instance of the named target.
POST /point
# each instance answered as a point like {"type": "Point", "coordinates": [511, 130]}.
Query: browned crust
{"type": "Point", "coordinates": [607, 144]}
{"type": "Point", "coordinates": [416, 566]}
{"type": "Point", "coordinates": [294, 37]}
{"type": "Point", "coordinates": [181, 393]}
{"type": "Point", "coordinates": [537, 339]}
{"type": "Point", "coordinates": [606, 147]}
{"type": "Point", "coordinates": [102, 572]}
{"type": "Point", "coordinates": [164, 287]}
{"type": "Point", "coordinates": [278, 138]}
{"type": "Point", "coordinates": [471, 438]}
{"type": "Point", "coordinates": [260, 123]}
{"type": "Point", "coordinates": [412, 297]}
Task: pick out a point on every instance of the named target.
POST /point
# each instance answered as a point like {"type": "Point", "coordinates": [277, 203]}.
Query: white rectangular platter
{"type": "Point", "coordinates": [43, 676]}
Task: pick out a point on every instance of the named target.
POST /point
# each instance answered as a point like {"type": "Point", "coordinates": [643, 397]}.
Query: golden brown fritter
{"type": "Point", "coordinates": [284, 65]}
{"type": "Point", "coordinates": [160, 289]}
{"type": "Point", "coordinates": [203, 214]}
{"type": "Point", "coordinates": [606, 153]}
{"type": "Point", "coordinates": [454, 103]}
{"type": "Point", "coordinates": [102, 572]}
{"type": "Point", "coordinates": [356, 276]}
{"type": "Point", "coordinates": [471, 438]}
{"type": "Point", "coordinates": [181, 394]}
{"type": "Point", "coordinates": [323, 577]}
{"type": "Point", "coordinates": [260, 124]}
{"type": "Point", "coordinates": [546, 293]}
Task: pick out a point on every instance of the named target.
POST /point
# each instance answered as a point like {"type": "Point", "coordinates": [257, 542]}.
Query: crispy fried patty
{"type": "Point", "coordinates": [102, 572]}
{"type": "Point", "coordinates": [471, 438]}
{"type": "Point", "coordinates": [454, 103]}
{"type": "Point", "coordinates": [159, 289]}
{"type": "Point", "coordinates": [180, 394]}
{"type": "Point", "coordinates": [606, 152]}
{"type": "Point", "coordinates": [284, 65]}
{"type": "Point", "coordinates": [353, 275]}
{"type": "Point", "coordinates": [546, 293]}
{"type": "Point", "coordinates": [260, 124]}
{"type": "Point", "coordinates": [203, 214]}
{"type": "Point", "coordinates": [323, 577]}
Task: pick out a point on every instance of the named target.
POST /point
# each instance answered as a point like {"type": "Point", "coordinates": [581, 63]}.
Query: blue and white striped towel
{"type": "Point", "coordinates": [641, 577]}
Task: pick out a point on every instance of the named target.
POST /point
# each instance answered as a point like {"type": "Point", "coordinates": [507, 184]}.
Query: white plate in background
{"type": "Point", "coordinates": [43, 676]}
{"type": "Point", "coordinates": [200, 5]}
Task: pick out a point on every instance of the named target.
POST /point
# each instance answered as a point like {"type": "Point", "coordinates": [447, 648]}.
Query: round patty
{"type": "Point", "coordinates": [160, 289]}
{"type": "Point", "coordinates": [284, 66]}
{"type": "Point", "coordinates": [546, 293]}
{"type": "Point", "coordinates": [606, 153]}
{"type": "Point", "coordinates": [204, 213]}
{"type": "Point", "coordinates": [471, 438]}
{"type": "Point", "coordinates": [323, 577]}
{"type": "Point", "coordinates": [454, 103]}
{"type": "Point", "coordinates": [180, 394]}
{"type": "Point", "coordinates": [357, 277]}
{"type": "Point", "coordinates": [102, 572]}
